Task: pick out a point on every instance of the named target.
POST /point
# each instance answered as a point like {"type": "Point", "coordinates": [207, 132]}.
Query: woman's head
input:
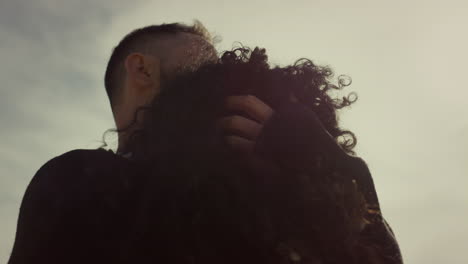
{"type": "Point", "coordinates": [190, 103]}
{"type": "Point", "coordinates": [203, 183]}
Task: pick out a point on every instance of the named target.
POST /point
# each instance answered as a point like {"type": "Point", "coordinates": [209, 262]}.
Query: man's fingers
{"type": "Point", "coordinates": [251, 105]}
{"type": "Point", "coordinates": [240, 144]}
{"type": "Point", "coordinates": [241, 126]}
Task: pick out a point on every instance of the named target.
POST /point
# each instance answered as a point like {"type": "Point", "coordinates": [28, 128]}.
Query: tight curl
{"type": "Point", "coordinates": [200, 195]}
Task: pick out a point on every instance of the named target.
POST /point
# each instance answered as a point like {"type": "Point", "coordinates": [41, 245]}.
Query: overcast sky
{"type": "Point", "coordinates": [408, 61]}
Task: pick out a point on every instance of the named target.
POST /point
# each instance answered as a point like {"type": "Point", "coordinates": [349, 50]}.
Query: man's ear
{"type": "Point", "coordinates": [143, 70]}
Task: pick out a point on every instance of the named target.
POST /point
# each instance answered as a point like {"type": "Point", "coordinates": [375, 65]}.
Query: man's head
{"type": "Point", "coordinates": [147, 58]}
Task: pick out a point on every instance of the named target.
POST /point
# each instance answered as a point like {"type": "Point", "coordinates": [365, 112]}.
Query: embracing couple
{"type": "Point", "coordinates": [221, 158]}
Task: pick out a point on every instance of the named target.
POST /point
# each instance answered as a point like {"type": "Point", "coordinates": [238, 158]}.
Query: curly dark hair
{"type": "Point", "coordinates": [243, 71]}
{"type": "Point", "coordinates": [209, 207]}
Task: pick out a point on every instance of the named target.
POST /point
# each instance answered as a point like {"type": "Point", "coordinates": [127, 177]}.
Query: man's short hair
{"type": "Point", "coordinates": [139, 41]}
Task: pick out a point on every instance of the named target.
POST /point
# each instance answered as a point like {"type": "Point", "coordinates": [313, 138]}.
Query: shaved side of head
{"type": "Point", "coordinates": [178, 46]}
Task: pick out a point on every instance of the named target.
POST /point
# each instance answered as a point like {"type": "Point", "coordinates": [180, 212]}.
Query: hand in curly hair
{"type": "Point", "coordinates": [242, 131]}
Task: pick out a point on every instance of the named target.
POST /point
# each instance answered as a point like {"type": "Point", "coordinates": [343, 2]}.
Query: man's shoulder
{"type": "Point", "coordinates": [83, 158]}
{"type": "Point", "coordinates": [75, 201]}
{"type": "Point", "coordinates": [76, 168]}
{"type": "Point", "coordinates": [84, 155]}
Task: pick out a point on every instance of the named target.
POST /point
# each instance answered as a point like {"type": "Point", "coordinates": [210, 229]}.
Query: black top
{"type": "Point", "coordinates": [80, 207]}
{"type": "Point", "coordinates": [77, 208]}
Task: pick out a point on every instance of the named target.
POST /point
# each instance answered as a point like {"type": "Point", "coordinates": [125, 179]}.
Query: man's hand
{"type": "Point", "coordinates": [242, 132]}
